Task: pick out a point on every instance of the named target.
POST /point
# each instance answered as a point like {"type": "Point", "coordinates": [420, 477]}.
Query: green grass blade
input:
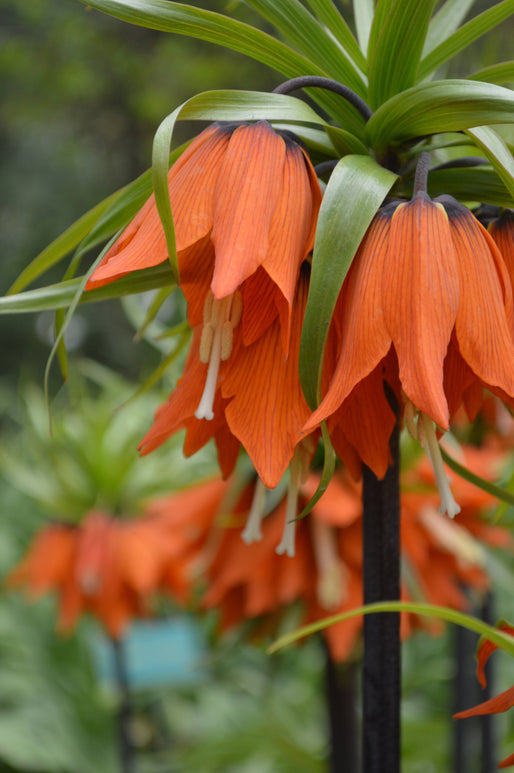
{"type": "Point", "coordinates": [311, 39]}
{"type": "Point", "coordinates": [502, 640]}
{"type": "Point", "coordinates": [354, 193]}
{"type": "Point", "coordinates": [329, 14]}
{"type": "Point", "coordinates": [445, 22]}
{"type": "Point", "coordinates": [395, 45]}
{"type": "Point", "coordinates": [503, 72]}
{"type": "Point", "coordinates": [363, 11]}
{"type": "Point", "coordinates": [439, 106]}
{"type": "Point", "coordinates": [491, 488]}
{"type": "Point", "coordinates": [464, 36]}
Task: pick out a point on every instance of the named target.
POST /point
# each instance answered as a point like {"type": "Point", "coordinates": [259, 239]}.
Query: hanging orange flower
{"type": "Point", "coordinates": [426, 306]}
{"type": "Point", "coordinates": [245, 201]}
{"type": "Point", "coordinates": [499, 703]}
{"type": "Point", "coordinates": [502, 231]}
{"type": "Point", "coordinates": [104, 566]}
{"type": "Point", "coordinates": [256, 400]}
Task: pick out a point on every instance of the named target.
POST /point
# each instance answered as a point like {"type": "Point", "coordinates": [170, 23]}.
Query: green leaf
{"type": "Point", "coordinates": [503, 640]}
{"type": "Point", "coordinates": [229, 33]}
{"type": "Point", "coordinates": [440, 106]}
{"type": "Point", "coordinates": [503, 72]}
{"type": "Point", "coordinates": [60, 246]}
{"type": "Point", "coordinates": [327, 12]}
{"type": "Point", "coordinates": [395, 46]}
{"type": "Point", "coordinates": [480, 184]}
{"type": "Point", "coordinates": [345, 142]}
{"type": "Point", "coordinates": [496, 491]}
{"type": "Point", "coordinates": [462, 38]}
{"type": "Point", "coordinates": [329, 465]}
{"type": "Point", "coordinates": [363, 11]}
{"type": "Point", "coordinates": [59, 296]}
{"type": "Point", "coordinates": [497, 152]}
{"type": "Point", "coordinates": [355, 191]}
{"type": "Point", "coordinates": [445, 22]}
{"type": "Point", "coordinates": [160, 161]}
{"type": "Point", "coordinates": [309, 37]}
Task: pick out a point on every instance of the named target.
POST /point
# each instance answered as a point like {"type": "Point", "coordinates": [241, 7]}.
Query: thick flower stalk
{"type": "Point", "coordinates": [426, 306]}
{"type": "Point", "coordinates": [245, 202]}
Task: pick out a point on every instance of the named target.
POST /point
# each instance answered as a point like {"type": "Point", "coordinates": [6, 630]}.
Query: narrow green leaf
{"type": "Point", "coordinates": [160, 161]}
{"type": "Point", "coordinates": [480, 184]}
{"type": "Point", "coordinates": [464, 36]}
{"type": "Point", "coordinates": [60, 246]}
{"type": "Point", "coordinates": [363, 11]}
{"type": "Point", "coordinates": [229, 33]}
{"type": "Point", "coordinates": [329, 14]}
{"type": "Point", "coordinates": [439, 106]}
{"type": "Point", "coordinates": [503, 72]}
{"type": "Point", "coordinates": [395, 45]}
{"type": "Point", "coordinates": [59, 296]}
{"type": "Point", "coordinates": [329, 465]}
{"type": "Point", "coordinates": [445, 22]}
{"type": "Point", "coordinates": [311, 39]}
{"type": "Point", "coordinates": [497, 152]}
{"type": "Point", "coordinates": [502, 640]}
{"type": "Point", "coordinates": [355, 191]}
{"type": "Point", "coordinates": [345, 142]}
{"type": "Point", "coordinates": [476, 480]}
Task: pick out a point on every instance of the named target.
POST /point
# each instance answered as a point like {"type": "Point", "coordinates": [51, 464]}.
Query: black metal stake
{"type": "Point", "coordinates": [381, 680]}
{"type": "Point", "coordinates": [341, 694]}
{"type": "Point", "coordinates": [487, 721]}
{"type": "Point", "coordinates": [126, 746]}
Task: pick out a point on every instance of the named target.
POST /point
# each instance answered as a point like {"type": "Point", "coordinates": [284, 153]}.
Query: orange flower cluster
{"type": "Point", "coordinates": [249, 581]}
{"type": "Point", "coordinates": [427, 307]}
{"type": "Point", "coordinates": [499, 703]}
{"type": "Point", "coordinates": [104, 566]}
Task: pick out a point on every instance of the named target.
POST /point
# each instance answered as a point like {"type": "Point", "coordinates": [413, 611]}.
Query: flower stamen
{"type": "Point", "coordinates": [287, 543]}
{"type": "Point", "coordinates": [431, 446]}
{"type": "Point", "coordinates": [332, 585]}
{"type": "Point", "coordinates": [252, 531]}
{"type": "Point", "coordinates": [220, 317]}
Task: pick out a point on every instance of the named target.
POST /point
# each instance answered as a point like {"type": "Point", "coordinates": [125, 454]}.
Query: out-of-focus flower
{"type": "Point", "coordinates": [107, 567]}
{"type": "Point", "coordinates": [426, 306]}
{"type": "Point", "coordinates": [233, 550]}
{"type": "Point", "coordinates": [499, 703]}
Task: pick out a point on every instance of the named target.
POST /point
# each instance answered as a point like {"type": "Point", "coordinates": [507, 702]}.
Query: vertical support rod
{"type": "Point", "coordinates": [124, 718]}
{"type": "Point", "coordinates": [489, 764]}
{"type": "Point", "coordinates": [341, 694]}
{"type": "Point", "coordinates": [381, 680]}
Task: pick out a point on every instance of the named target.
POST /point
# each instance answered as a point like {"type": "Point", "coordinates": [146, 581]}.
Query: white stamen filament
{"type": "Point", "coordinates": [448, 503]}
{"type": "Point", "coordinates": [331, 586]}
{"type": "Point", "coordinates": [252, 531]}
{"type": "Point", "coordinates": [216, 344]}
{"type": "Point", "coordinates": [453, 538]}
{"type": "Point", "coordinates": [288, 535]}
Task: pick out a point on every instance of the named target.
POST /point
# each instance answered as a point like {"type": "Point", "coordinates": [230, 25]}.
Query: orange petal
{"type": "Point", "coordinates": [485, 651]}
{"type": "Point", "coordinates": [359, 316]}
{"type": "Point", "coordinates": [420, 301]}
{"type": "Point", "coordinates": [247, 192]}
{"type": "Point", "coordinates": [268, 408]}
{"type": "Point", "coordinates": [499, 703]}
{"type": "Point", "coordinates": [483, 330]}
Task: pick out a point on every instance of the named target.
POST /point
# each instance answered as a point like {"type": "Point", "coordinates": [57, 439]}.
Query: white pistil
{"type": "Point", "coordinates": [252, 531]}
{"type": "Point", "coordinates": [288, 535]}
{"type": "Point", "coordinates": [448, 503]}
{"type": "Point", "coordinates": [332, 577]}
{"type": "Point", "coordinates": [219, 320]}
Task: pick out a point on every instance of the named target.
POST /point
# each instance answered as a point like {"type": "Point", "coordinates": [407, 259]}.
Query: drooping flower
{"type": "Point", "coordinates": [499, 703]}
{"type": "Point", "coordinates": [107, 567]}
{"type": "Point", "coordinates": [245, 201]}
{"type": "Point", "coordinates": [256, 400]}
{"type": "Point", "coordinates": [502, 231]}
{"type": "Point", "coordinates": [426, 306]}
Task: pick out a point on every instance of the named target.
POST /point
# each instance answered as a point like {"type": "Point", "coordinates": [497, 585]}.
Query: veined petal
{"type": "Point", "coordinates": [259, 305]}
{"type": "Point", "coordinates": [191, 182]}
{"type": "Point", "coordinates": [499, 703]}
{"type": "Point", "coordinates": [365, 339]}
{"type": "Point", "coordinates": [483, 332]}
{"type": "Point", "coordinates": [291, 224]}
{"type": "Point", "coordinates": [268, 408]}
{"type": "Point", "coordinates": [420, 301]}
{"type": "Point", "coordinates": [247, 191]}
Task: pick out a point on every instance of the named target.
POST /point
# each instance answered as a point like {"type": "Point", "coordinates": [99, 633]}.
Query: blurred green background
{"type": "Point", "coordinates": [82, 95]}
